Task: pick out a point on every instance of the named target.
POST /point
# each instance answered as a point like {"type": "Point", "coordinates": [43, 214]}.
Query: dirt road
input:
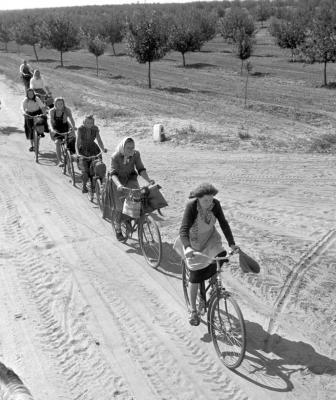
{"type": "Point", "coordinates": [83, 317]}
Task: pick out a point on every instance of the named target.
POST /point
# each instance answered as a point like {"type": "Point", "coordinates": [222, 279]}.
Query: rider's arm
{"type": "Point", "coordinates": [218, 213]}
{"type": "Point", "coordinates": [24, 106]}
{"type": "Point", "coordinates": [72, 121]}
{"type": "Point", "coordinates": [52, 117]}
{"type": "Point", "coordinates": [41, 105]}
{"type": "Point", "coordinates": [189, 216]}
{"type": "Point", "coordinates": [115, 168]}
{"type": "Point", "coordinates": [78, 133]}
{"type": "Point", "coordinates": [100, 142]}
{"type": "Point", "coordinates": [21, 68]}
{"type": "Point", "coordinates": [140, 167]}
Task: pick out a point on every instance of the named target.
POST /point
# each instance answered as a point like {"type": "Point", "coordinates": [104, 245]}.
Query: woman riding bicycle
{"type": "Point", "coordinates": [26, 72]}
{"type": "Point", "coordinates": [198, 234]}
{"type": "Point", "coordinates": [37, 84]}
{"type": "Point", "coordinates": [32, 106]}
{"type": "Point", "coordinates": [126, 165]}
{"type": "Point", "coordinates": [87, 147]}
{"type": "Point", "coordinates": [62, 121]}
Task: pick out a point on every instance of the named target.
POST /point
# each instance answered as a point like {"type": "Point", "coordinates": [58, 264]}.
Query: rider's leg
{"type": "Point", "coordinates": [85, 174]}
{"type": "Point", "coordinates": [58, 151]}
{"type": "Point", "coordinates": [193, 289]}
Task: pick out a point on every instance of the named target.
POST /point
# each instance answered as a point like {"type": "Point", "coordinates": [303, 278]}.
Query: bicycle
{"type": "Point", "coordinates": [36, 135]}
{"type": "Point", "coordinates": [149, 236]}
{"type": "Point", "coordinates": [225, 320]}
{"type": "Point", "coordinates": [67, 156]}
{"type": "Point", "coordinates": [46, 98]}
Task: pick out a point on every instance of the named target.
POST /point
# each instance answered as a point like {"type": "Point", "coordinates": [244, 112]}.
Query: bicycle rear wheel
{"type": "Point", "coordinates": [36, 145]}
{"type": "Point", "coordinates": [98, 191]}
{"type": "Point", "coordinates": [227, 329]}
{"type": "Point", "coordinates": [150, 240]}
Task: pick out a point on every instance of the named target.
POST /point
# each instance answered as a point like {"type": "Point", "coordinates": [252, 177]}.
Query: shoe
{"type": "Point", "coordinates": [31, 148]}
{"type": "Point", "coordinates": [85, 189]}
{"type": "Point", "coordinates": [60, 164]}
{"type": "Point", "coordinates": [42, 135]}
{"type": "Point", "coordinates": [120, 236]}
{"type": "Point", "coordinates": [194, 319]}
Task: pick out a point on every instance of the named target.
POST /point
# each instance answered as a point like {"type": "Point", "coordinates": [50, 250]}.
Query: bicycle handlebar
{"type": "Point", "coordinates": [90, 157]}
{"type": "Point", "coordinates": [227, 257]}
{"type": "Point", "coordinates": [33, 116]}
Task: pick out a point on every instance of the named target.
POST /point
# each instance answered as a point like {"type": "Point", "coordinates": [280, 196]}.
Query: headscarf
{"type": "Point", "coordinates": [121, 148]}
{"type": "Point", "coordinates": [37, 74]}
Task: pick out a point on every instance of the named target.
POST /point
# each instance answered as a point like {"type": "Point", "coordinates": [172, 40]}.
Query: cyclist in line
{"type": "Point", "coordinates": [26, 72]}
{"type": "Point", "coordinates": [87, 147]}
{"type": "Point", "coordinates": [61, 121]}
{"type": "Point", "coordinates": [126, 165]}
{"type": "Point", "coordinates": [198, 234]}
{"type": "Point", "coordinates": [37, 83]}
{"type": "Point", "coordinates": [32, 105]}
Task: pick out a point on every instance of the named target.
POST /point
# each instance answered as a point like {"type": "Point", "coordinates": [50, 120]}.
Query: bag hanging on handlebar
{"type": "Point", "coordinates": [155, 198]}
{"type": "Point", "coordinates": [247, 263]}
{"type": "Point", "coordinates": [132, 205]}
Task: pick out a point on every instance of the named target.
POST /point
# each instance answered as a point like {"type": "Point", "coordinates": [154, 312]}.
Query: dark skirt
{"type": "Point", "coordinates": [203, 274]}
{"type": "Point", "coordinates": [29, 124]}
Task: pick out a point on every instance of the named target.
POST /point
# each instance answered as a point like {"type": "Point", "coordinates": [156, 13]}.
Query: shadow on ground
{"type": "Point", "coordinates": [271, 360]}
{"type": "Point", "coordinates": [199, 66]}
{"type": "Point", "coordinates": [43, 60]}
{"type": "Point", "coordinates": [174, 89]}
{"type": "Point", "coordinates": [7, 130]}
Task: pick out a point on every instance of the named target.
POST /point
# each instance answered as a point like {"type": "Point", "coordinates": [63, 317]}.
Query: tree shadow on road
{"type": "Point", "coordinates": [7, 130]}
{"type": "Point", "coordinates": [271, 360]}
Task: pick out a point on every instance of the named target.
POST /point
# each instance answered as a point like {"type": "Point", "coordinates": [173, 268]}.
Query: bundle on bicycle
{"type": "Point", "coordinates": [200, 246]}
{"type": "Point", "coordinates": [128, 206]}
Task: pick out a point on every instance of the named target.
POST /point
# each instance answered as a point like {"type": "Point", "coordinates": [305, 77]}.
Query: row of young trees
{"type": "Point", "coordinates": [307, 27]}
{"type": "Point", "coordinates": [309, 31]}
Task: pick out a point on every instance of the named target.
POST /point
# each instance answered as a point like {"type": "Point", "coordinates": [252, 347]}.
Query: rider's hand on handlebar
{"type": "Point", "coordinates": [121, 188]}
{"type": "Point", "coordinates": [105, 150]}
{"type": "Point", "coordinates": [235, 248]}
{"type": "Point", "coordinates": [189, 252]}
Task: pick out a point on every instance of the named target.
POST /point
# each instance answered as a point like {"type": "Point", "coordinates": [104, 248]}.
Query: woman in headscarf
{"type": "Point", "coordinates": [126, 165]}
{"type": "Point", "coordinates": [198, 234]}
{"type": "Point", "coordinates": [32, 106]}
{"type": "Point", "coordinates": [86, 146]}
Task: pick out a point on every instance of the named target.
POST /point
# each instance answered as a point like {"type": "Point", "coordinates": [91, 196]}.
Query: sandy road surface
{"type": "Point", "coordinates": [84, 319]}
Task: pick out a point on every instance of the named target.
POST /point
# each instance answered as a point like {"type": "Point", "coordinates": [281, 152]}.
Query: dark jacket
{"type": "Point", "coordinates": [190, 215]}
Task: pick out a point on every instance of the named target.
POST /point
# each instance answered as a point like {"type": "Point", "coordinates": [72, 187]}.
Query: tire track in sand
{"type": "Point", "coordinates": [79, 360]}
{"type": "Point", "coordinates": [296, 274]}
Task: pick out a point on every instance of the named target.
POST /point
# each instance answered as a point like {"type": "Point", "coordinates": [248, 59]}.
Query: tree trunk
{"type": "Point", "coordinates": [6, 47]}
{"type": "Point", "coordinates": [149, 75]}
{"type": "Point", "coordinates": [183, 58]}
{"type": "Point", "coordinates": [97, 64]}
{"type": "Point", "coordinates": [292, 55]}
{"type": "Point", "coordinates": [241, 67]}
{"type": "Point", "coordinates": [37, 60]}
{"type": "Point", "coordinates": [246, 83]}
{"type": "Point", "coordinates": [325, 74]}
{"type": "Point", "coordinates": [61, 58]}
{"type": "Point", "coordinates": [114, 53]}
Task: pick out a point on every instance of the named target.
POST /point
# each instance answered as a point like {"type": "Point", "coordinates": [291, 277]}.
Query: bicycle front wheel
{"type": "Point", "coordinates": [98, 190]}
{"type": "Point", "coordinates": [150, 240]}
{"type": "Point", "coordinates": [70, 167]}
{"type": "Point", "coordinates": [227, 329]}
{"type": "Point", "coordinates": [36, 145]}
